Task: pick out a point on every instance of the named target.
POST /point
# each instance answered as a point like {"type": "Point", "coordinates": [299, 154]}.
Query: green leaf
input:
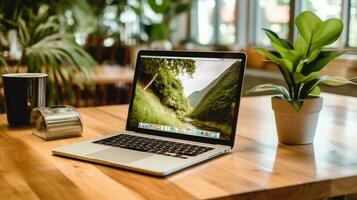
{"type": "Point", "coordinates": [333, 81]}
{"type": "Point", "coordinates": [268, 54]}
{"type": "Point", "coordinates": [312, 76]}
{"type": "Point", "coordinates": [283, 62]}
{"type": "Point", "coordinates": [41, 29]}
{"type": "Point", "coordinates": [42, 12]}
{"type": "Point", "coordinates": [2, 60]}
{"type": "Point", "coordinates": [159, 8]}
{"type": "Point", "coordinates": [286, 63]}
{"type": "Point", "coordinates": [316, 91]}
{"type": "Point", "coordinates": [301, 46]}
{"type": "Point", "coordinates": [321, 61]}
{"type": "Point", "coordinates": [24, 34]}
{"type": "Point", "coordinates": [338, 81]}
{"type": "Point", "coordinates": [306, 22]}
{"type": "Point", "coordinates": [290, 55]}
{"type": "Point", "coordinates": [308, 87]}
{"type": "Point", "coordinates": [313, 55]}
{"type": "Point", "coordinates": [327, 32]}
{"type": "Point", "coordinates": [159, 32]}
{"type": "Point", "coordinates": [274, 38]}
{"type": "Point", "coordinates": [86, 16]}
{"type": "Point", "coordinates": [298, 77]}
{"type": "Point", "coordinates": [283, 47]}
{"type": "Point", "coordinates": [270, 87]}
{"type": "Point", "coordinates": [284, 66]}
{"type": "Point", "coordinates": [286, 74]}
{"type": "Point", "coordinates": [300, 65]}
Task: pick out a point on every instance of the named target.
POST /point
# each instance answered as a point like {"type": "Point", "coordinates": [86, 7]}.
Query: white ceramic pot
{"type": "Point", "coordinates": [296, 127]}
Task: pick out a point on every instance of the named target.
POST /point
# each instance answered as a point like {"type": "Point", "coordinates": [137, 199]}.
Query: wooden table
{"type": "Point", "coordinates": [259, 167]}
{"type": "Point", "coordinates": [112, 75]}
{"type": "Point", "coordinates": [106, 75]}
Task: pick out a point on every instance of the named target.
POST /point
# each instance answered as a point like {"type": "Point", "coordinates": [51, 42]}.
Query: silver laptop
{"type": "Point", "coordinates": [183, 111]}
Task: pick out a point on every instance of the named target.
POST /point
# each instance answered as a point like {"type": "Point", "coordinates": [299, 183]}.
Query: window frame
{"type": "Point", "coordinates": [295, 9]}
{"type": "Point", "coordinates": [216, 23]}
{"type": "Point", "coordinates": [246, 29]}
{"type": "Point", "coordinates": [348, 26]}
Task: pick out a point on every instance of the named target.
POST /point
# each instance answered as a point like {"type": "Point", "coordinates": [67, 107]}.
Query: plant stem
{"type": "Point", "coordinates": [290, 90]}
{"type": "Point", "coordinates": [309, 47]}
{"type": "Point", "coordinates": [298, 91]}
{"type": "Point", "coordinates": [293, 85]}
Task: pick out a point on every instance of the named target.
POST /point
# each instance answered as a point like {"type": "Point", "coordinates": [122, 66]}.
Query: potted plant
{"type": "Point", "coordinates": [297, 108]}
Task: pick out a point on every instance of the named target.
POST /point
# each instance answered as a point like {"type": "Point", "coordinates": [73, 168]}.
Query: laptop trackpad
{"type": "Point", "coordinates": [119, 155]}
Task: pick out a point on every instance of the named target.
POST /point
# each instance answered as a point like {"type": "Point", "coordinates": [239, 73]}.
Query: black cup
{"type": "Point", "coordinates": [23, 92]}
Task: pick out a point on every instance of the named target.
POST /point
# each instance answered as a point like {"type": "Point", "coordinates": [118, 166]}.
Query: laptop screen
{"type": "Point", "coordinates": [193, 96]}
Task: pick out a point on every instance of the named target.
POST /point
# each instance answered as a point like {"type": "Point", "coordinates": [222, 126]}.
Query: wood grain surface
{"type": "Point", "coordinates": [258, 168]}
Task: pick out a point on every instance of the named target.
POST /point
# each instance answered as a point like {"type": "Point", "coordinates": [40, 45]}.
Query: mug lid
{"type": "Point", "coordinates": [25, 75]}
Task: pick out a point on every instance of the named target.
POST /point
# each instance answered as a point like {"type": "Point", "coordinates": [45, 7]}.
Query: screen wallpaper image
{"type": "Point", "coordinates": [193, 96]}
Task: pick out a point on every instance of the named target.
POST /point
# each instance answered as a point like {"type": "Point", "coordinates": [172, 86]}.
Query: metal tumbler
{"type": "Point", "coordinates": [56, 122]}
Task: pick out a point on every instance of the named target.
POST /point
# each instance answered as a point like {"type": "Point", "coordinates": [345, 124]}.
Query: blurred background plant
{"type": "Point", "coordinates": [66, 39]}
{"type": "Point", "coordinates": [103, 23]}
{"type": "Point", "coordinates": [33, 40]}
{"type": "Point", "coordinates": [159, 26]}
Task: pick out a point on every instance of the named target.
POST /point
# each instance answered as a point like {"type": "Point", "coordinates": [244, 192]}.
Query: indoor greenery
{"type": "Point", "coordinates": [168, 10]}
{"type": "Point", "coordinates": [74, 15]}
{"type": "Point", "coordinates": [35, 41]}
{"type": "Point", "coordinates": [301, 63]}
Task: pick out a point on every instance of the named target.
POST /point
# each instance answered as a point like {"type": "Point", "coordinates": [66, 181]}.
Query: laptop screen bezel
{"type": "Point", "coordinates": [194, 54]}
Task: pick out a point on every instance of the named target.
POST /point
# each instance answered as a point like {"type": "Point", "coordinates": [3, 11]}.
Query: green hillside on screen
{"type": "Point", "coordinates": [218, 103]}
{"type": "Point", "coordinates": [195, 97]}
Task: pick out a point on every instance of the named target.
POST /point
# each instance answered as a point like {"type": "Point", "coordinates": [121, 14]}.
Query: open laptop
{"type": "Point", "coordinates": [183, 110]}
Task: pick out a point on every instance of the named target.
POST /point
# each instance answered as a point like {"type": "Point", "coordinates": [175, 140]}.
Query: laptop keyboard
{"type": "Point", "coordinates": [156, 146]}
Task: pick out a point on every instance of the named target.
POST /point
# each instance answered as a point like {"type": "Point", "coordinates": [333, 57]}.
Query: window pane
{"type": "Point", "coordinates": [205, 21]}
{"type": "Point", "coordinates": [227, 27]}
{"type": "Point", "coordinates": [274, 15]}
{"type": "Point", "coordinates": [352, 41]}
{"type": "Point", "coordinates": [324, 9]}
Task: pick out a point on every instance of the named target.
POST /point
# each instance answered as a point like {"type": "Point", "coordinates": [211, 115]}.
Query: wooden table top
{"type": "Point", "coordinates": [112, 74]}
{"type": "Point", "coordinates": [259, 167]}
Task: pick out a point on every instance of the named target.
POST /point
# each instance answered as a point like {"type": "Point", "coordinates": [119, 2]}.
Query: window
{"type": "Point", "coordinates": [323, 8]}
{"type": "Point", "coordinates": [273, 15]}
{"type": "Point", "coordinates": [227, 25]}
{"type": "Point", "coordinates": [352, 39]}
{"type": "Point", "coordinates": [214, 21]}
{"type": "Point", "coordinates": [205, 21]}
